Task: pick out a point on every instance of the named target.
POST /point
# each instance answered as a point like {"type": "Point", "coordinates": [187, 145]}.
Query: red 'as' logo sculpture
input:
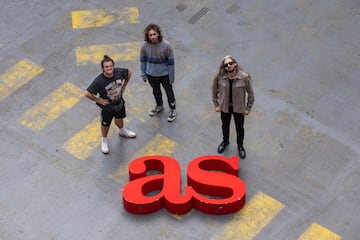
{"type": "Point", "coordinates": [213, 186]}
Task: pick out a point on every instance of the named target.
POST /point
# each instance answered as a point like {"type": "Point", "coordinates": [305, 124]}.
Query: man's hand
{"type": "Point", "coordinates": [103, 102]}
{"type": "Point", "coordinates": [98, 100]}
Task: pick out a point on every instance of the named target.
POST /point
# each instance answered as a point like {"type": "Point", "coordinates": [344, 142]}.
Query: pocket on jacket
{"type": "Point", "coordinates": [240, 83]}
{"type": "Point", "coordinates": [222, 84]}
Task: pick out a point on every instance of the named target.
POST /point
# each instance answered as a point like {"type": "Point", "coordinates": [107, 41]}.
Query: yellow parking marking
{"type": "Point", "coordinates": [84, 141]}
{"type": "Point", "coordinates": [90, 19]}
{"type": "Point", "coordinates": [250, 220]}
{"type": "Point", "coordinates": [52, 106]}
{"type": "Point", "coordinates": [159, 145]}
{"type": "Point", "coordinates": [318, 232]}
{"type": "Point", "coordinates": [100, 17]}
{"type": "Point", "coordinates": [21, 73]}
{"type": "Point", "coordinates": [119, 52]}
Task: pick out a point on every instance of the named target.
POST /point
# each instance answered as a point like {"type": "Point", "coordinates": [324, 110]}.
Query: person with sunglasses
{"type": "Point", "coordinates": [231, 86]}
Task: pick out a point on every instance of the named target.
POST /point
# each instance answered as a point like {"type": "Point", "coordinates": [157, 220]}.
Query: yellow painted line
{"type": "Point", "coordinates": [52, 106]}
{"type": "Point", "coordinates": [90, 19]}
{"type": "Point", "coordinates": [119, 52]}
{"type": "Point", "coordinates": [21, 73]}
{"type": "Point", "coordinates": [318, 232]}
{"type": "Point", "coordinates": [101, 17]}
{"type": "Point", "coordinates": [84, 141]}
{"type": "Point", "coordinates": [159, 145]}
{"type": "Point", "coordinates": [251, 219]}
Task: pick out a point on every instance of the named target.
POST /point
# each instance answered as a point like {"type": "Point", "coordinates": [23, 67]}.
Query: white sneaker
{"type": "Point", "coordinates": [105, 146]}
{"type": "Point", "coordinates": [126, 133]}
{"type": "Point", "coordinates": [172, 115]}
{"type": "Point", "coordinates": [156, 110]}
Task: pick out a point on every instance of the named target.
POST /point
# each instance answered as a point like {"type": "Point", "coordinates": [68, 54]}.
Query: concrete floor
{"type": "Point", "coordinates": [302, 137]}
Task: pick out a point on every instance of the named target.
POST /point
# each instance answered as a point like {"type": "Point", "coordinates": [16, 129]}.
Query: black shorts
{"type": "Point", "coordinates": [107, 116]}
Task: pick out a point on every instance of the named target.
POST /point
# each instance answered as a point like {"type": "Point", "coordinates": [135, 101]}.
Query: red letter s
{"type": "Point", "coordinates": [225, 184]}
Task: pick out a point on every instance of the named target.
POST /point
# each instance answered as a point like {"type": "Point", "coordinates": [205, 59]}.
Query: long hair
{"type": "Point", "coordinates": [154, 27]}
{"type": "Point", "coordinates": [222, 71]}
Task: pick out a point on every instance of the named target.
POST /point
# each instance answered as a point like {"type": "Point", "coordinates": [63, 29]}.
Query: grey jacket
{"type": "Point", "coordinates": [241, 86]}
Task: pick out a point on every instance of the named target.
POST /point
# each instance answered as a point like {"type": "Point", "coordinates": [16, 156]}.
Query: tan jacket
{"type": "Point", "coordinates": [242, 84]}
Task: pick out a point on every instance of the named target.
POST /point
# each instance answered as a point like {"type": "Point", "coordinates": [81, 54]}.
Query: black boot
{"type": "Point", "coordinates": [242, 152]}
{"type": "Point", "coordinates": [222, 146]}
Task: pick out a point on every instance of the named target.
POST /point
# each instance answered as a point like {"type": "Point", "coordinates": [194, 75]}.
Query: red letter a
{"type": "Point", "coordinates": [135, 199]}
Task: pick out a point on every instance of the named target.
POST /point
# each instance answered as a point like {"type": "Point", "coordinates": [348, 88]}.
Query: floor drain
{"type": "Point", "coordinates": [181, 7]}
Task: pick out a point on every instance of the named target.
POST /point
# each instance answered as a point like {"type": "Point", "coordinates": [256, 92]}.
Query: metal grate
{"type": "Point", "coordinates": [198, 15]}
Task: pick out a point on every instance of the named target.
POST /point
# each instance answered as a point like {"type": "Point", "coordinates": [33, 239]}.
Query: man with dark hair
{"type": "Point", "coordinates": [231, 86]}
{"type": "Point", "coordinates": [158, 67]}
{"type": "Point", "coordinates": [106, 90]}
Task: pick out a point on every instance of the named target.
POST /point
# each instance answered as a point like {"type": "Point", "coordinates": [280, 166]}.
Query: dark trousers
{"type": "Point", "coordinates": [165, 82]}
{"type": "Point", "coordinates": [239, 126]}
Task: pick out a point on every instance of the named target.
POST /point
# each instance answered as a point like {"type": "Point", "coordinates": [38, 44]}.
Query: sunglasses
{"type": "Point", "coordinates": [228, 64]}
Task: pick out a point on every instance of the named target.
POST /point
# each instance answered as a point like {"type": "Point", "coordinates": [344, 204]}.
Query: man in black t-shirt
{"type": "Point", "coordinates": [106, 90]}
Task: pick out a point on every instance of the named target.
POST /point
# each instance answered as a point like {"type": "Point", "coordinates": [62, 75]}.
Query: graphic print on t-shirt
{"type": "Point", "coordinates": [113, 90]}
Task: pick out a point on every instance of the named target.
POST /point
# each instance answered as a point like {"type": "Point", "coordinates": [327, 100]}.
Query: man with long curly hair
{"type": "Point", "coordinates": [158, 68]}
